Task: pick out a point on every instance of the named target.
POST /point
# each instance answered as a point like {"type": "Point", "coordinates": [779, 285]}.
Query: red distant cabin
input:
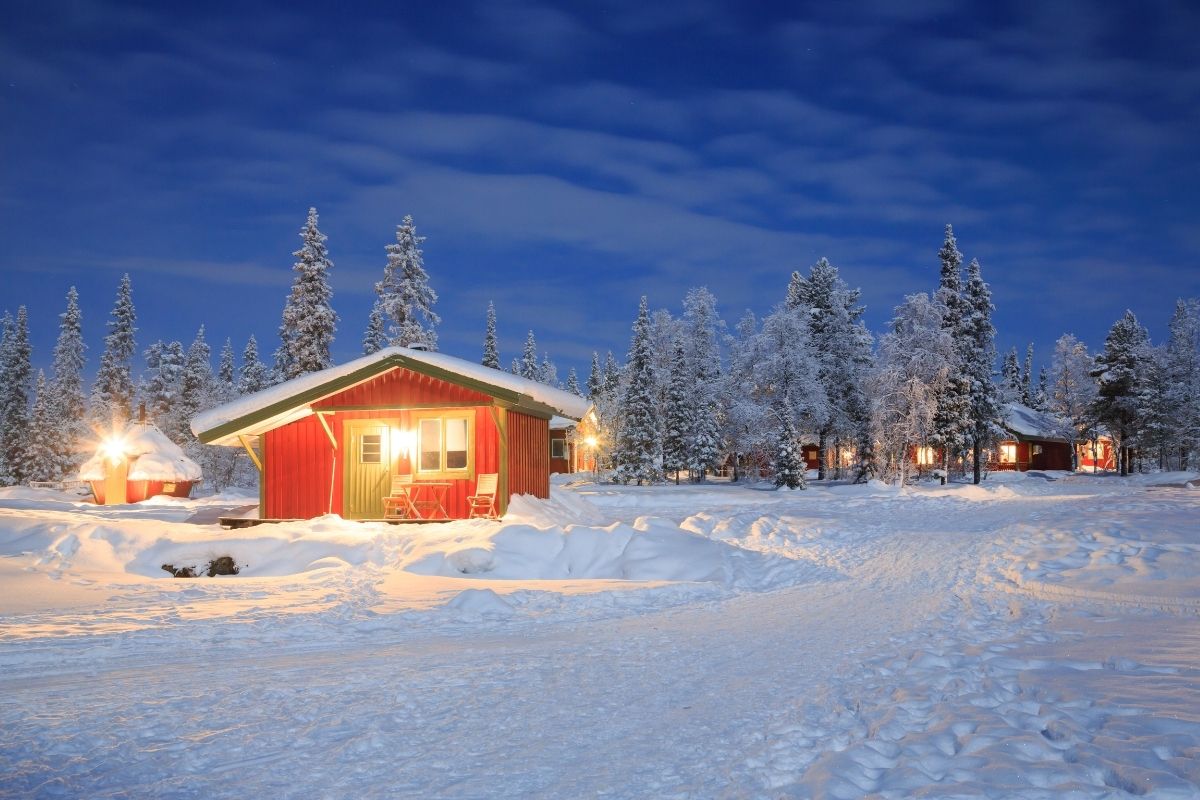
{"type": "Point", "coordinates": [330, 442]}
{"type": "Point", "coordinates": [1034, 441]}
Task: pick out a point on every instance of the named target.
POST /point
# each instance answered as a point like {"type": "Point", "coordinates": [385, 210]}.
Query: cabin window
{"type": "Point", "coordinates": [370, 449]}
{"type": "Point", "coordinates": [558, 448]}
{"type": "Point", "coordinates": [444, 445]}
{"type": "Point", "coordinates": [1037, 449]}
{"type": "Point", "coordinates": [925, 456]}
{"type": "Point", "coordinates": [1008, 453]}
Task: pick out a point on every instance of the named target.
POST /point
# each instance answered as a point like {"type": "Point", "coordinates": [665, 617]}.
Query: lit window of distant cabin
{"type": "Point", "coordinates": [1037, 450]}
{"type": "Point", "coordinates": [558, 448]}
{"type": "Point", "coordinates": [1008, 453]}
{"type": "Point", "coordinates": [370, 450]}
{"type": "Point", "coordinates": [444, 445]}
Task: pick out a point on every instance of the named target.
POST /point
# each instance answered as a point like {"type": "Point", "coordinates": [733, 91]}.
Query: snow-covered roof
{"type": "Point", "coordinates": [152, 457]}
{"type": "Point", "coordinates": [1030, 423]}
{"type": "Point", "coordinates": [291, 400]}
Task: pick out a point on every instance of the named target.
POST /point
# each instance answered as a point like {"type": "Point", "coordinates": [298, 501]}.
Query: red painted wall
{"type": "Point", "coordinates": [528, 455]}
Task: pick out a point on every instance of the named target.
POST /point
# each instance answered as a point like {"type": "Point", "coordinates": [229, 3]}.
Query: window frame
{"type": "Point", "coordinates": [562, 445]}
{"type": "Point", "coordinates": [1004, 449]}
{"type": "Point", "coordinates": [362, 448]}
{"type": "Point", "coordinates": [443, 472]}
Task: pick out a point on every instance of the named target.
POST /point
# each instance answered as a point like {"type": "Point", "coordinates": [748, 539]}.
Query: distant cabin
{"type": "Point", "coordinates": [138, 463]}
{"type": "Point", "coordinates": [330, 442]}
{"type": "Point", "coordinates": [1033, 440]}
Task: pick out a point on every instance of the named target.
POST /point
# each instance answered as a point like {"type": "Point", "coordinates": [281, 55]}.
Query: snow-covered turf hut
{"type": "Point", "coordinates": [140, 462]}
{"type": "Point", "coordinates": [1035, 440]}
{"type": "Point", "coordinates": [331, 441]}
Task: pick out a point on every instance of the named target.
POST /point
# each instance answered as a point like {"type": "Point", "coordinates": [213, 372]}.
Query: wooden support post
{"type": "Point", "coordinates": [500, 417]}
{"type": "Point", "coordinates": [245, 440]}
{"type": "Point", "coordinates": [328, 430]}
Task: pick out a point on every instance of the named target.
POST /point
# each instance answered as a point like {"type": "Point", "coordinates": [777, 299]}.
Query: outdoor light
{"type": "Point", "coordinates": [590, 441]}
{"type": "Point", "coordinates": [403, 442]}
{"type": "Point", "coordinates": [113, 447]}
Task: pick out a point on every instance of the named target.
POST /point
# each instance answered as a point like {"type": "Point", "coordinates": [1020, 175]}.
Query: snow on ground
{"type": "Point", "coordinates": [1035, 637]}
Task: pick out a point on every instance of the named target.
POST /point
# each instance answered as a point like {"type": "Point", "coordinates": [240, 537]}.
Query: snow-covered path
{"type": "Point", "coordinates": [930, 660]}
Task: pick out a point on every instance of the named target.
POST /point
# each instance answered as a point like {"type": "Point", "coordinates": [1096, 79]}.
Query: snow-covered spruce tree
{"type": "Point", "coordinates": [978, 353]}
{"type": "Point", "coordinates": [702, 331]}
{"type": "Point", "coordinates": [113, 391]}
{"type": "Point", "coordinates": [547, 372]}
{"type": "Point", "coordinates": [842, 345]}
{"type": "Point", "coordinates": [1041, 396]}
{"type": "Point", "coordinates": [41, 454]}
{"type": "Point", "coordinates": [952, 419]}
{"type": "Point", "coordinates": [491, 349]}
{"type": "Point", "coordinates": [787, 464]}
{"type": "Point", "coordinates": [612, 374]}
{"type": "Point", "coordinates": [746, 427]}
{"type": "Point", "coordinates": [529, 360]}
{"type": "Point", "coordinates": [1153, 436]}
{"type": "Point", "coordinates": [1027, 377]}
{"type": "Point", "coordinates": [1117, 373]}
{"type": "Point", "coordinates": [573, 383]}
{"type": "Point", "coordinates": [515, 367]}
{"type": "Point", "coordinates": [197, 387]}
{"type": "Point", "coordinates": [254, 374]}
{"type": "Point", "coordinates": [787, 375]}
{"type": "Point", "coordinates": [638, 453]}
{"type": "Point", "coordinates": [69, 430]}
{"type": "Point", "coordinates": [375, 337]}
{"type": "Point", "coordinates": [16, 384]}
{"type": "Point", "coordinates": [1073, 393]}
{"type": "Point", "coordinates": [406, 299]}
{"type": "Point", "coordinates": [309, 321]}
{"type": "Point", "coordinates": [677, 423]}
{"type": "Point", "coordinates": [595, 382]}
{"type": "Point", "coordinates": [1010, 378]}
{"type": "Point", "coordinates": [1182, 363]}
{"type": "Point", "coordinates": [160, 387]}
{"type": "Point", "coordinates": [914, 360]}
{"type": "Point", "coordinates": [226, 370]}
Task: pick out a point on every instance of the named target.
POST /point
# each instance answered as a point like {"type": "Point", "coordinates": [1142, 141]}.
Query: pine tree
{"type": "Point", "coordinates": [1041, 397]}
{"type": "Point", "coordinates": [1118, 373]}
{"type": "Point", "coordinates": [405, 298]}
{"type": "Point", "coordinates": [746, 426]}
{"type": "Point", "coordinates": [548, 372]}
{"type": "Point", "coordinates": [42, 454]}
{"type": "Point", "coordinates": [515, 367]}
{"type": "Point", "coordinates": [529, 359]}
{"type": "Point", "coordinates": [112, 393]}
{"type": "Point", "coordinates": [595, 382]}
{"type": "Point", "coordinates": [573, 383]}
{"type": "Point", "coordinates": [787, 373]}
{"type": "Point", "coordinates": [309, 321]}
{"type": "Point", "coordinates": [491, 350]}
{"type": "Point", "coordinates": [1027, 378]}
{"type": "Point", "coordinates": [787, 464]}
{"type": "Point", "coordinates": [16, 372]}
{"type": "Point", "coordinates": [639, 444]}
{"type": "Point", "coordinates": [1182, 364]}
{"type": "Point", "coordinates": [254, 375]}
{"type": "Point", "coordinates": [842, 345]}
{"type": "Point", "coordinates": [196, 385]}
{"type": "Point", "coordinates": [68, 404]}
{"type": "Point", "coordinates": [375, 338]}
{"type": "Point", "coordinates": [1153, 434]}
{"type": "Point", "coordinates": [701, 333]}
{"type": "Point", "coordinates": [226, 389]}
{"type": "Point", "coordinates": [160, 389]}
{"type": "Point", "coordinates": [979, 349]}
{"type": "Point", "coordinates": [677, 422]}
{"type": "Point", "coordinates": [1010, 378]}
{"type": "Point", "coordinates": [1073, 393]}
{"type": "Point", "coordinates": [952, 419]}
{"type": "Point", "coordinates": [612, 374]}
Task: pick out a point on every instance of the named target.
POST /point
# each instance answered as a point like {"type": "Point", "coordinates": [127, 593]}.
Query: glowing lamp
{"type": "Point", "coordinates": [113, 448]}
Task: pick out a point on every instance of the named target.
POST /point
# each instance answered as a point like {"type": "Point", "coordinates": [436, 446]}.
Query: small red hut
{"type": "Point", "coordinates": [138, 463]}
{"type": "Point", "coordinates": [1035, 441]}
{"type": "Point", "coordinates": [331, 442]}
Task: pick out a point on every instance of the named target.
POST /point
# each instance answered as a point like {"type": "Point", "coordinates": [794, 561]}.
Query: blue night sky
{"type": "Point", "coordinates": [563, 160]}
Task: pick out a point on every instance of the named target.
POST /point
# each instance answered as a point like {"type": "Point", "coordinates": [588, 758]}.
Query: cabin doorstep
{"type": "Point", "coordinates": [330, 442]}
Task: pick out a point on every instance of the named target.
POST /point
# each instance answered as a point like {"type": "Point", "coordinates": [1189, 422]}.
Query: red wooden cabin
{"type": "Point", "coordinates": [330, 442]}
{"type": "Point", "coordinates": [1035, 441]}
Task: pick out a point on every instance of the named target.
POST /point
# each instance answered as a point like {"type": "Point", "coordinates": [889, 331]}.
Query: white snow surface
{"type": "Point", "coordinates": [152, 457]}
{"type": "Point", "coordinates": [566, 404]}
{"type": "Point", "coordinates": [1025, 421]}
{"type": "Point", "coordinates": [1026, 638]}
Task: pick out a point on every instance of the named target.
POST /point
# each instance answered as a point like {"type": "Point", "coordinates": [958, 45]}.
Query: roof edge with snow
{"type": "Point", "coordinates": [291, 400]}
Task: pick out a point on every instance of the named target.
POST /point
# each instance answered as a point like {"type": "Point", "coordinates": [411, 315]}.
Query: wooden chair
{"type": "Point", "coordinates": [483, 502]}
{"type": "Point", "coordinates": [399, 504]}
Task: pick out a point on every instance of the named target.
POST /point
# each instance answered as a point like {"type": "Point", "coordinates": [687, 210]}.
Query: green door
{"type": "Point", "coordinates": [368, 469]}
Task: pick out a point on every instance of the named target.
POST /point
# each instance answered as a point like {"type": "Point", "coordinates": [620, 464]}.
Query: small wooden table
{"type": "Point", "coordinates": [429, 498]}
